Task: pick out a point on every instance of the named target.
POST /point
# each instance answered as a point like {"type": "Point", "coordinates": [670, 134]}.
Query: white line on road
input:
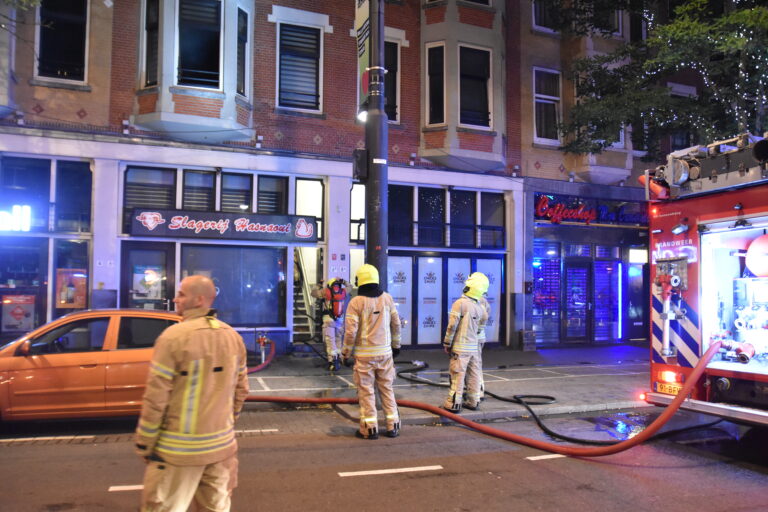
{"type": "Point", "coordinates": [263, 384]}
{"type": "Point", "coordinates": [543, 457]}
{"type": "Point", "coordinates": [345, 381]}
{"type": "Point", "coordinates": [388, 471]}
{"type": "Point", "coordinates": [256, 430]}
{"type": "Point", "coordinates": [118, 488]}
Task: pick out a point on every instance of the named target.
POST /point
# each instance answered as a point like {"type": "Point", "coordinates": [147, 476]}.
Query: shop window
{"type": "Point", "coordinates": [242, 51]}
{"type": "Point", "coordinates": [199, 191]}
{"type": "Point", "coordinates": [24, 182]}
{"type": "Point", "coordinates": [199, 43]}
{"type": "Point", "coordinates": [357, 214]}
{"type": "Point", "coordinates": [151, 41]}
{"type": "Point", "coordinates": [431, 216]}
{"type": "Point", "coordinates": [400, 215]}
{"type": "Point", "coordinates": [435, 84]}
{"type": "Point", "coordinates": [391, 91]}
{"type": "Point", "coordinates": [310, 200]}
{"type": "Point", "coordinates": [140, 332]}
{"type": "Point", "coordinates": [544, 16]}
{"type": "Point", "coordinates": [463, 212]}
{"type": "Point", "coordinates": [272, 195]}
{"type": "Point", "coordinates": [299, 67]}
{"type": "Point", "coordinates": [62, 39]}
{"type": "Point", "coordinates": [148, 188]}
{"type": "Point", "coordinates": [546, 249]}
{"type": "Point", "coordinates": [23, 285]}
{"type": "Point", "coordinates": [474, 84]}
{"type": "Point", "coordinates": [578, 250]}
{"type": "Point", "coordinates": [546, 88]}
{"type": "Point", "coordinates": [70, 291]}
{"type": "Point", "coordinates": [73, 196]}
{"type": "Point", "coordinates": [250, 280]}
{"type": "Point", "coordinates": [491, 220]}
{"type": "Point", "coordinates": [236, 193]}
{"type": "Point", "coordinates": [607, 252]}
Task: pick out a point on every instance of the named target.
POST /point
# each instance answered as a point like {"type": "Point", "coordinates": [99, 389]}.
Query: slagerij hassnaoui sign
{"type": "Point", "coordinates": [223, 226]}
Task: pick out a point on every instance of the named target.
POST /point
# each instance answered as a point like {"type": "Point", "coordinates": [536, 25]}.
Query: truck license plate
{"type": "Point", "coordinates": [669, 389]}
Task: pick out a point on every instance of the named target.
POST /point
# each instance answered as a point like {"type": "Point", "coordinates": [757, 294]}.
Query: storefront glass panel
{"type": "Point", "coordinates": [431, 217]}
{"type": "Point", "coordinates": [236, 193]}
{"type": "Point", "coordinates": [310, 197]}
{"type": "Point", "coordinates": [400, 215]}
{"type": "Point", "coordinates": [577, 301]}
{"type": "Point", "coordinates": [147, 280]}
{"type": "Point", "coordinates": [400, 286]}
{"type": "Point", "coordinates": [198, 193]}
{"type": "Point", "coordinates": [463, 214]}
{"type": "Point", "coordinates": [73, 196]}
{"type": "Point", "coordinates": [492, 269]}
{"type": "Point", "coordinates": [607, 300]}
{"type": "Point", "coordinates": [430, 300]}
{"type": "Point", "coordinates": [148, 188]}
{"type": "Point", "coordinates": [70, 290]}
{"type": "Point", "coordinates": [25, 182]}
{"type": "Point", "coordinates": [23, 285]}
{"type": "Point", "coordinates": [458, 272]}
{"type": "Point", "coordinates": [546, 291]}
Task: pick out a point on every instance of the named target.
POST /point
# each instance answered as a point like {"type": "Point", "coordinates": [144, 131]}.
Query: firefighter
{"type": "Point", "coordinates": [466, 327]}
{"type": "Point", "coordinates": [372, 332]}
{"type": "Point", "coordinates": [333, 297]}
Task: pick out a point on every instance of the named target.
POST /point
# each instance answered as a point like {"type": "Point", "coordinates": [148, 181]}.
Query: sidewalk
{"type": "Point", "coordinates": [581, 380]}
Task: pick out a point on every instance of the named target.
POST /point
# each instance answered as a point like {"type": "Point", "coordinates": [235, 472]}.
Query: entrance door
{"type": "Point", "coordinates": [577, 301]}
{"type": "Point", "coordinates": [147, 279]}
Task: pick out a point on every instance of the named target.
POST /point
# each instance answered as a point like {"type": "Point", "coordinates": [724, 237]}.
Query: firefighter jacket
{"type": "Point", "coordinates": [466, 326]}
{"type": "Point", "coordinates": [487, 307]}
{"type": "Point", "coordinates": [196, 387]}
{"type": "Point", "coordinates": [371, 327]}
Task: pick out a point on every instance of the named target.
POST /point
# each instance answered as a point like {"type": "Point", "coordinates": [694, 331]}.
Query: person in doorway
{"type": "Point", "coordinates": [196, 387]}
{"type": "Point", "coordinates": [372, 333]}
{"type": "Point", "coordinates": [332, 298]}
{"type": "Point", "coordinates": [466, 327]}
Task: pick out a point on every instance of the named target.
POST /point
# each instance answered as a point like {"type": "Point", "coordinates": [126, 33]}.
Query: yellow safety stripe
{"type": "Point", "coordinates": [191, 397]}
{"type": "Point", "coordinates": [161, 370]}
{"type": "Point", "coordinates": [193, 450]}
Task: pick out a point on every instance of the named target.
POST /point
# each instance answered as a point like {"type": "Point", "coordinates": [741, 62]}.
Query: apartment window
{"type": "Point", "coordinates": [436, 84]}
{"type": "Point", "coordinates": [299, 67]}
{"type": "Point", "coordinates": [199, 191]}
{"type": "Point", "coordinates": [547, 105]}
{"type": "Point", "coordinates": [199, 43]}
{"type": "Point", "coordinates": [479, 2]}
{"type": "Point", "coordinates": [463, 214]}
{"type": "Point", "coordinates": [310, 198]}
{"type": "Point", "coordinates": [400, 218]}
{"type": "Point", "coordinates": [609, 21]}
{"type": "Point", "coordinates": [61, 49]}
{"type": "Point", "coordinates": [148, 188]}
{"type": "Point", "coordinates": [236, 193]}
{"type": "Point", "coordinates": [391, 61]}
{"type": "Point", "coordinates": [73, 196]}
{"type": "Point", "coordinates": [272, 195]}
{"type": "Point", "coordinates": [151, 38]}
{"type": "Point", "coordinates": [431, 216]}
{"type": "Point", "coordinates": [474, 78]}
{"type": "Point", "coordinates": [544, 16]}
{"type": "Point", "coordinates": [242, 51]}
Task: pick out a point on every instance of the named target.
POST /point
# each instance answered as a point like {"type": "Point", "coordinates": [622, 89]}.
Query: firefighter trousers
{"type": "Point", "coordinates": [333, 334]}
{"type": "Point", "coordinates": [170, 488]}
{"type": "Point", "coordinates": [380, 371]}
{"type": "Point", "coordinates": [464, 367]}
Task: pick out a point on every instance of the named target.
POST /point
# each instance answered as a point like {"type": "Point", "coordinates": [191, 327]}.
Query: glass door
{"type": "Point", "coordinates": [147, 278]}
{"type": "Point", "coordinates": [577, 301]}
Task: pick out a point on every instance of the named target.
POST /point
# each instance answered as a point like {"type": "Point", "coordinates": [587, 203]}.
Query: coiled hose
{"type": "Point", "coordinates": [572, 451]}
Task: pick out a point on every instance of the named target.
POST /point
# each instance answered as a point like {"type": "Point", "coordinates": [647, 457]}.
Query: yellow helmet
{"type": "Point", "coordinates": [476, 285]}
{"type": "Point", "coordinates": [366, 274]}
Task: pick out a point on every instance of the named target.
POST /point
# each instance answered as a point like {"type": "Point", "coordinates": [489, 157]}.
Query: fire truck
{"type": "Point", "coordinates": [708, 223]}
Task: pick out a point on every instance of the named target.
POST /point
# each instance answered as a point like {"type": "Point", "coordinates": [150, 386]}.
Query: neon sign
{"type": "Point", "coordinates": [18, 219]}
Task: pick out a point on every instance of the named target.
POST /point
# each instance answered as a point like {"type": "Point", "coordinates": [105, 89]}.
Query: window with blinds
{"type": "Point", "coordinates": [148, 188]}
{"type": "Point", "coordinates": [236, 193]}
{"type": "Point", "coordinates": [199, 42]}
{"type": "Point", "coordinates": [299, 67]}
{"type": "Point", "coordinates": [474, 74]}
{"type": "Point", "coordinates": [272, 195]}
{"type": "Point", "coordinates": [199, 191]}
{"type": "Point", "coordinates": [151, 37]}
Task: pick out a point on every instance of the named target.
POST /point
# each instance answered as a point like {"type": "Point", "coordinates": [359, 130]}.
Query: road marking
{"type": "Point", "coordinates": [256, 430]}
{"type": "Point", "coordinates": [543, 457]}
{"type": "Point", "coordinates": [389, 471]}
{"type": "Point", "coordinates": [345, 381]}
{"type": "Point", "coordinates": [118, 488]}
{"type": "Point", "coordinates": [263, 384]}
{"type": "Point", "coordinates": [45, 438]}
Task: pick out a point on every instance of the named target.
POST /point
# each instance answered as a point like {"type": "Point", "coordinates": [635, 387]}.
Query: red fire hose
{"type": "Point", "coordinates": [262, 341]}
{"type": "Point", "coordinates": [573, 451]}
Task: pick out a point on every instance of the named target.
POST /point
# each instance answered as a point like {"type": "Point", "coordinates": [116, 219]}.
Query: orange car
{"type": "Point", "coordinates": [86, 364]}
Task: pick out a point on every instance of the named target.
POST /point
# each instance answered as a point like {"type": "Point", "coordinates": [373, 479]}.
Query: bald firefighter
{"type": "Point", "coordinates": [372, 332]}
{"type": "Point", "coordinates": [466, 327]}
{"type": "Point", "coordinates": [196, 387]}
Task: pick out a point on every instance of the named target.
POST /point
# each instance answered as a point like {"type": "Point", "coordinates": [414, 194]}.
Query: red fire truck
{"type": "Point", "coordinates": [708, 224]}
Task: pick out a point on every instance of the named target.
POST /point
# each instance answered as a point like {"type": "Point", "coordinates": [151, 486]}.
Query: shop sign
{"type": "Point", "coordinates": [18, 313]}
{"type": "Point", "coordinates": [558, 209]}
{"type": "Point", "coordinates": [223, 226]}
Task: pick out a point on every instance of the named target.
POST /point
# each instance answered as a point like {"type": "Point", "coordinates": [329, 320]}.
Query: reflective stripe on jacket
{"type": "Point", "coordinates": [372, 326]}
{"type": "Point", "coordinates": [466, 325]}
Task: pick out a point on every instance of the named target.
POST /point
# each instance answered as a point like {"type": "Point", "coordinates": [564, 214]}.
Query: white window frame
{"type": "Point", "coordinates": [177, 50]}
{"type": "Point", "coordinates": [397, 36]}
{"type": "Point", "coordinates": [551, 99]}
{"type": "Point", "coordinates": [86, 52]}
{"type": "Point", "coordinates": [539, 28]}
{"type": "Point", "coordinates": [427, 46]}
{"type": "Point", "coordinates": [143, 46]}
{"type": "Point", "coordinates": [488, 85]}
{"type": "Point", "coordinates": [248, 8]}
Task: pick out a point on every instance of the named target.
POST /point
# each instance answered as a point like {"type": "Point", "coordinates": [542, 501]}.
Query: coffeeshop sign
{"type": "Point", "coordinates": [558, 209]}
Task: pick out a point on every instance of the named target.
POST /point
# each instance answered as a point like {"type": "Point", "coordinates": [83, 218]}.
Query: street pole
{"type": "Point", "coordinates": [376, 197]}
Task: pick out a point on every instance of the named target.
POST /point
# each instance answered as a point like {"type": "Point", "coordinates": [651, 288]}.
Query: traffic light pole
{"type": "Point", "coordinates": [376, 197]}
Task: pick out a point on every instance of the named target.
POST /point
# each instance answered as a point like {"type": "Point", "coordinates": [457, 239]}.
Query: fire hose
{"type": "Point", "coordinates": [572, 451]}
{"type": "Point", "coordinates": [262, 341]}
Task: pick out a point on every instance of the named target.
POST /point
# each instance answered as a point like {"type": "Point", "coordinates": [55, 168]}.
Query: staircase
{"type": "Point", "coordinates": [303, 329]}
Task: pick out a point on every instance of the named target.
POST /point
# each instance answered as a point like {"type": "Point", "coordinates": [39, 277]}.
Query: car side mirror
{"type": "Point", "coordinates": [24, 348]}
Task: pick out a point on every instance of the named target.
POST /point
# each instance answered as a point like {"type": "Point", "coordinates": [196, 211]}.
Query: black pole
{"type": "Point", "coordinates": [376, 198]}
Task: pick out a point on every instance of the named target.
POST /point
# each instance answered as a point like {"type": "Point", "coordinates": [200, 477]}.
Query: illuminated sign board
{"type": "Point", "coordinates": [559, 208]}
{"type": "Point", "coordinates": [18, 219]}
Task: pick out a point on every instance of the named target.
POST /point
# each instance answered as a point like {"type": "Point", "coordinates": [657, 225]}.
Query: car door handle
{"type": "Point", "coordinates": [90, 365]}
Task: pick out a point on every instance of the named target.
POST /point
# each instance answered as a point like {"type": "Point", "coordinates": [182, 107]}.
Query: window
{"type": "Point", "coordinates": [480, 2]}
{"type": "Point", "coordinates": [544, 16]}
{"type": "Point", "coordinates": [251, 281]}
{"type": "Point", "coordinates": [25, 182]}
{"type": "Point", "coordinates": [357, 213]}
{"type": "Point", "coordinates": [299, 67]}
{"type": "Point", "coordinates": [242, 51]}
{"type": "Point", "coordinates": [140, 332]}
{"type": "Point", "coordinates": [24, 283]}
{"type": "Point", "coordinates": [73, 196]}
{"type": "Point", "coordinates": [151, 38]}
{"type": "Point", "coordinates": [70, 292]}
{"type": "Point", "coordinates": [81, 336]}
{"type": "Point", "coordinates": [62, 43]}
{"type": "Point", "coordinates": [400, 217]}
{"type": "Point", "coordinates": [435, 84]}
{"type": "Point", "coordinates": [463, 212]}
{"type": "Point", "coordinates": [431, 216]}
{"type": "Point", "coordinates": [236, 193]}
{"type": "Point", "coordinates": [199, 43]}
{"type": "Point", "coordinates": [148, 188]}
{"type": "Point", "coordinates": [310, 198]}
{"type": "Point", "coordinates": [272, 195]}
{"type": "Point", "coordinates": [474, 79]}
{"type": "Point", "coordinates": [609, 21]}
{"type": "Point", "coordinates": [391, 61]}
{"type": "Point", "coordinates": [491, 220]}
{"type": "Point", "coordinates": [547, 105]}
{"type": "Point", "coordinates": [199, 191]}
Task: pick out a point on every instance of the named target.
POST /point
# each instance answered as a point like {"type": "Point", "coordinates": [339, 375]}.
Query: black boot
{"type": "Point", "coordinates": [336, 363]}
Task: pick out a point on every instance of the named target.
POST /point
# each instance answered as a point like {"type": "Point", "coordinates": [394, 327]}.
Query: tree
{"type": "Point", "coordinates": [723, 46]}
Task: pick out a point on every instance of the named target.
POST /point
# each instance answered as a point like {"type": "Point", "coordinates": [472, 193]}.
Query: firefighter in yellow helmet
{"type": "Point", "coordinates": [372, 331]}
{"type": "Point", "coordinates": [332, 298]}
{"type": "Point", "coordinates": [466, 327]}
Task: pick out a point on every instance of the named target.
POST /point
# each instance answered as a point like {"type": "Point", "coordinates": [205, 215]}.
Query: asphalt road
{"type": "Point", "coordinates": [307, 460]}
